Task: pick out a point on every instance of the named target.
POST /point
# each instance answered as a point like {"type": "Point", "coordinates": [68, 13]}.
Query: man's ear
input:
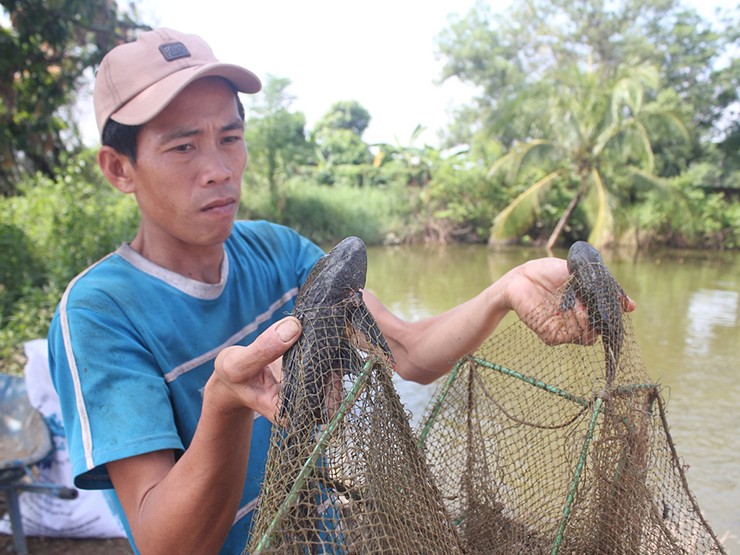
{"type": "Point", "coordinates": [116, 168]}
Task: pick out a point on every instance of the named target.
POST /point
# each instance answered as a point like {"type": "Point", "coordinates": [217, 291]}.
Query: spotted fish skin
{"type": "Point", "coordinates": [595, 287]}
{"type": "Point", "coordinates": [336, 276]}
{"type": "Point", "coordinates": [330, 307]}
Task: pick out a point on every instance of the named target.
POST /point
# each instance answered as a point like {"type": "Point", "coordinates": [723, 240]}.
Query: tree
{"type": "Point", "coordinates": [275, 136]}
{"type": "Point", "coordinates": [345, 114]}
{"type": "Point", "coordinates": [516, 61]}
{"type": "Point", "coordinates": [45, 51]}
{"type": "Point", "coordinates": [338, 135]}
{"type": "Point", "coordinates": [696, 60]}
{"type": "Point", "coordinates": [502, 55]}
{"type": "Point", "coordinates": [588, 138]}
{"type": "Point", "coordinates": [727, 93]}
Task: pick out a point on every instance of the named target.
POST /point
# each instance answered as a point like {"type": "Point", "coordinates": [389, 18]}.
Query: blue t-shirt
{"type": "Point", "coordinates": [132, 345]}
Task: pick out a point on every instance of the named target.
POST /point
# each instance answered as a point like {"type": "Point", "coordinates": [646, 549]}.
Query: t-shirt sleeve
{"type": "Point", "coordinates": [308, 254]}
{"type": "Point", "coordinates": [288, 249]}
{"type": "Point", "coordinates": [96, 360]}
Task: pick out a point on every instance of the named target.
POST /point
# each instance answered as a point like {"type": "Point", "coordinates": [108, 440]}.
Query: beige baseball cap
{"type": "Point", "coordinates": [136, 80]}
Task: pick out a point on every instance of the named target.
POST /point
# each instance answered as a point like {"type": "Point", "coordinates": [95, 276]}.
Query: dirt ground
{"type": "Point", "coordinates": [58, 546]}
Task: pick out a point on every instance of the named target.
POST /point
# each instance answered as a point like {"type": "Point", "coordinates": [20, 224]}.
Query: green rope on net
{"type": "Point", "coordinates": [310, 464]}
{"type": "Point", "coordinates": [577, 476]}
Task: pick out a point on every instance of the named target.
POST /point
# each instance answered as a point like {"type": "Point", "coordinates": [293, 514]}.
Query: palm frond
{"type": "Point", "coordinates": [604, 138]}
{"type": "Point", "coordinates": [636, 145]}
{"type": "Point", "coordinates": [519, 156]}
{"type": "Point", "coordinates": [520, 212]}
{"type": "Point", "coordinates": [628, 92]}
{"type": "Point", "coordinates": [671, 120]}
{"type": "Point", "coordinates": [647, 146]}
{"type": "Point", "coordinates": [603, 223]}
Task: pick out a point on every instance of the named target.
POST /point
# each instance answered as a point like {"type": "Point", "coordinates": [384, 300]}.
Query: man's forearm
{"type": "Point", "coordinates": [191, 505]}
{"type": "Point", "coordinates": [427, 349]}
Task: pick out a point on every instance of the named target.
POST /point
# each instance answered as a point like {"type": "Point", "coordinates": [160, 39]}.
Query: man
{"type": "Point", "coordinates": [166, 353]}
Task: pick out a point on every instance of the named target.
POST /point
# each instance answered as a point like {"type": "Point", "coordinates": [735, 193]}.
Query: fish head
{"type": "Point", "coordinates": [581, 254]}
{"type": "Point", "coordinates": [337, 276]}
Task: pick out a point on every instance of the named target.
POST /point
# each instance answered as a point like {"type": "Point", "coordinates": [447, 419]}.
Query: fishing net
{"type": "Point", "coordinates": [344, 473]}
{"type": "Point", "coordinates": [525, 448]}
{"type": "Point", "coordinates": [562, 449]}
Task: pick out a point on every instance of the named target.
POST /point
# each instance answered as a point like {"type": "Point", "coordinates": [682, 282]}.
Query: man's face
{"type": "Point", "coordinates": [190, 162]}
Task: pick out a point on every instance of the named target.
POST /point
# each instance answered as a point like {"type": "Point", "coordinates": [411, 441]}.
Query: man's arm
{"type": "Point", "coordinates": [173, 506]}
{"type": "Point", "coordinates": [427, 349]}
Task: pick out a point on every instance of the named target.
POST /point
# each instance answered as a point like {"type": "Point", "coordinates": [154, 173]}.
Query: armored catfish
{"type": "Point", "coordinates": [331, 311]}
{"type": "Point", "coordinates": [595, 287]}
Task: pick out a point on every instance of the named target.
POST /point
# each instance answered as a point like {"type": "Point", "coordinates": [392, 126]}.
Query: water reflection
{"type": "Point", "coordinates": [709, 308]}
{"type": "Point", "coordinates": [687, 325]}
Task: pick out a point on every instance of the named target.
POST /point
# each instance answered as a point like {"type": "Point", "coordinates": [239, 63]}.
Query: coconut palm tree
{"type": "Point", "coordinates": [586, 133]}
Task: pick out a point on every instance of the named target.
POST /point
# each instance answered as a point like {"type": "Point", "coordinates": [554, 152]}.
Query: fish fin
{"type": "Point", "coordinates": [568, 302]}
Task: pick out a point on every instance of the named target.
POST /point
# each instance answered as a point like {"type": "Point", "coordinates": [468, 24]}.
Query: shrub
{"type": "Point", "coordinates": [327, 214]}
{"type": "Point", "coordinates": [50, 232]}
{"type": "Point", "coordinates": [30, 319]}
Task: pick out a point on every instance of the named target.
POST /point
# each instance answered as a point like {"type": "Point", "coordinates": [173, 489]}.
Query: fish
{"type": "Point", "coordinates": [330, 308]}
{"type": "Point", "coordinates": [595, 287]}
{"type": "Point", "coordinates": [338, 333]}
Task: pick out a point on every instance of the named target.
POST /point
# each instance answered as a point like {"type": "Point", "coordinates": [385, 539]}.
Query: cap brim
{"type": "Point", "coordinates": [151, 101]}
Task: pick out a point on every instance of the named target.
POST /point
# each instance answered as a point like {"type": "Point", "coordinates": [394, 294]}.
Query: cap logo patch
{"type": "Point", "coordinates": [174, 51]}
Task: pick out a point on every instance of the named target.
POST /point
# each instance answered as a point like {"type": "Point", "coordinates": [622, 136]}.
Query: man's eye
{"type": "Point", "coordinates": [182, 148]}
{"type": "Point", "coordinates": [232, 139]}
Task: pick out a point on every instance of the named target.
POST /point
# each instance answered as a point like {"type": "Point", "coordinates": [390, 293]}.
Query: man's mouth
{"type": "Point", "coordinates": [220, 205]}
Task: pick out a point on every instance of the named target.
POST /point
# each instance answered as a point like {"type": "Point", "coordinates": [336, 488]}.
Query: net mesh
{"type": "Point", "coordinates": [344, 473]}
{"type": "Point", "coordinates": [566, 448]}
{"type": "Point", "coordinates": [525, 448]}
{"type": "Point", "coordinates": [355, 485]}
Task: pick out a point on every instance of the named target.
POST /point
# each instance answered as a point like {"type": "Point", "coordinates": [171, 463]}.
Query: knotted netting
{"type": "Point", "coordinates": [344, 472]}
{"type": "Point", "coordinates": [565, 448]}
{"type": "Point", "coordinates": [525, 447]}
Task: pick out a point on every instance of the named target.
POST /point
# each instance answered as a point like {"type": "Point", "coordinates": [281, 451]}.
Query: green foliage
{"type": "Point", "coordinates": [521, 214]}
{"type": "Point", "coordinates": [416, 162]}
{"type": "Point", "coordinates": [338, 138]}
{"type": "Point", "coordinates": [588, 131]}
{"type": "Point", "coordinates": [55, 228]}
{"type": "Point", "coordinates": [74, 219]}
{"type": "Point", "coordinates": [45, 51]}
{"type": "Point", "coordinates": [20, 268]}
{"type": "Point", "coordinates": [348, 115]}
{"type": "Point", "coordinates": [692, 59]}
{"type": "Point", "coordinates": [275, 137]}
{"type": "Point", "coordinates": [328, 214]}
{"type": "Point", "coordinates": [696, 216]}
{"type": "Point", "coordinates": [719, 222]}
{"type": "Point", "coordinates": [463, 194]}
{"type": "Point", "coordinates": [504, 52]}
{"type": "Point", "coordinates": [600, 86]}
{"type": "Point", "coordinates": [352, 175]}
{"type": "Point", "coordinates": [29, 320]}
{"type": "Point", "coordinates": [341, 146]}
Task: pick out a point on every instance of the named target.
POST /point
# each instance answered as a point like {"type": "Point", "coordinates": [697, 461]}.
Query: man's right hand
{"type": "Point", "coordinates": [249, 377]}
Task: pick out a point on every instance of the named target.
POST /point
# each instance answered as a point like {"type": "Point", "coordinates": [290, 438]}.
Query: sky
{"type": "Point", "coordinates": [380, 54]}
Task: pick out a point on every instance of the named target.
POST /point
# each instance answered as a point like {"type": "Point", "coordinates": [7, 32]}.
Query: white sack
{"type": "Point", "coordinates": [88, 516]}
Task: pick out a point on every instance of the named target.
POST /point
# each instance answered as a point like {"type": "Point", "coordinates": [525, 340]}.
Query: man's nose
{"type": "Point", "coordinates": [217, 168]}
